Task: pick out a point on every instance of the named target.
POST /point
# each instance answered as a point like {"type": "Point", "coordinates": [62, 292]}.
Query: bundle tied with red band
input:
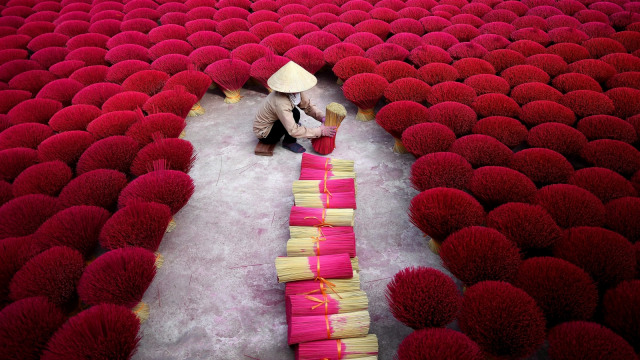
{"type": "Point", "coordinates": [321, 186]}
{"type": "Point", "coordinates": [326, 200]}
{"type": "Point", "coordinates": [336, 326]}
{"type": "Point", "coordinates": [320, 168]}
{"type": "Point", "coordinates": [311, 231]}
{"type": "Point", "coordinates": [304, 216]}
{"type": "Point", "coordinates": [312, 304]}
{"type": "Point", "coordinates": [322, 245]}
{"type": "Point", "coordinates": [361, 348]}
{"type": "Point", "coordinates": [319, 268]}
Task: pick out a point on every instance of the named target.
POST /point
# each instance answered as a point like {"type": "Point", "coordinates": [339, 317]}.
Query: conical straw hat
{"type": "Point", "coordinates": [292, 78]}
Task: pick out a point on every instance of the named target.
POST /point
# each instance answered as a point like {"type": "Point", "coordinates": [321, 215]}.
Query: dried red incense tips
{"type": "Point", "coordinates": [323, 163]}
{"type": "Point", "coordinates": [327, 304]}
{"type": "Point", "coordinates": [339, 266]}
{"type": "Point", "coordinates": [322, 186]}
{"type": "Point", "coordinates": [327, 200]}
{"type": "Point", "coordinates": [307, 287]}
{"type": "Point", "coordinates": [337, 326]}
{"type": "Point", "coordinates": [312, 231]}
{"type": "Point", "coordinates": [322, 245]}
{"type": "Point", "coordinates": [335, 114]}
{"type": "Point", "coordinates": [304, 216]}
{"type": "Point", "coordinates": [362, 348]}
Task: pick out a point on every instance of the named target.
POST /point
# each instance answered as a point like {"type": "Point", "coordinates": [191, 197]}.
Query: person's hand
{"type": "Point", "coordinates": [323, 119]}
{"type": "Point", "coordinates": [329, 131]}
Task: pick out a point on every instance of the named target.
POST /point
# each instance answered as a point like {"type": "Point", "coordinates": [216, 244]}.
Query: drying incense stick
{"type": "Point", "coordinates": [337, 326]}
{"type": "Point", "coordinates": [325, 304]}
{"type": "Point", "coordinates": [328, 201]}
{"type": "Point", "coordinates": [314, 267]}
{"type": "Point", "coordinates": [322, 245]}
{"type": "Point", "coordinates": [312, 231]}
{"type": "Point", "coordinates": [310, 161]}
{"type": "Point", "coordinates": [317, 174]}
{"type": "Point", "coordinates": [361, 348]}
{"type": "Point", "coordinates": [335, 113]}
{"type": "Point", "coordinates": [321, 186]}
{"type": "Point", "coordinates": [307, 287]}
{"type": "Point", "coordinates": [304, 216]}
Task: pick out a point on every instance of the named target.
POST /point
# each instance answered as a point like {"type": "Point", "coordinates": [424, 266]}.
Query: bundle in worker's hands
{"type": "Point", "coordinates": [336, 326]}
{"type": "Point", "coordinates": [312, 231]}
{"type": "Point", "coordinates": [322, 186]}
{"type": "Point", "coordinates": [323, 163]}
{"type": "Point", "coordinates": [304, 216]}
{"type": "Point", "coordinates": [338, 266]}
{"type": "Point", "coordinates": [322, 245]}
{"type": "Point", "coordinates": [327, 304]}
{"type": "Point", "coordinates": [362, 348]}
{"type": "Point", "coordinates": [326, 200]}
{"type": "Point", "coordinates": [335, 113]}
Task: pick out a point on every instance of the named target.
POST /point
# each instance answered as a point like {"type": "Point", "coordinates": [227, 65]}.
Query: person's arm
{"type": "Point", "coordinates": [309, 108]}
{"type": "Point", "coordinates": [285, 115]}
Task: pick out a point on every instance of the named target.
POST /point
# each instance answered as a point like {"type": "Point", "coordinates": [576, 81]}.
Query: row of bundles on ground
{"type": "Point", "coordinates": [92, 171]}
{"type": "Point", "coordinates": [327, 313]}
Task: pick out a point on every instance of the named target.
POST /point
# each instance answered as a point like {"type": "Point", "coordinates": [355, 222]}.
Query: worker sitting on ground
{"type": "Point", "coordinates": [279, 114]}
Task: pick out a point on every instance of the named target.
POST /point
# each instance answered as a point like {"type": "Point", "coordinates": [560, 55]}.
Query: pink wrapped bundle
{"type": "Point", "coordinates": [329, 201]}
{"type": "Point", "coordinates": [307, 287]}
{"type": "Point", "coordinates": [310, 231]}
{"type": "Point", "coordinates": [322, 186]}
{"type": "Point", "coordinates": [363, 348]}
{"type": "Point", "coordinates": [305, 216]}
{"type": "Point", "coordinates": [324, 163]}
{"type": "Point", "coordinates": [336, 326]}
{"type": "Point", "coordinates": [327, 304]}
{"type": "Point", "coordinates": [337, 266]}
{"type": "Point", "coordinates": [317, 174]}
{"type": "Point", "coordinates": [322, 245]}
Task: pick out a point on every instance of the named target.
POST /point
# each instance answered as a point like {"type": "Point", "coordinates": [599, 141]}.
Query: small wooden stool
{"type": "Point", "coordinates": [263, 149]}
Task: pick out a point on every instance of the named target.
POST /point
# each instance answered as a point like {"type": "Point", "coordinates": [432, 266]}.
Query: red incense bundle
{"type": "Point", "coordinates": [362, 348]}
{"type": "Point", "coordinates": [303, 216]}
{"type": "Point", "coordinates": [322, 186]}
{"type": "Point", "coordinates": [323, 163]}
{"type": "Point", "coordinates": [322, 245]}
{"type": "Point", "coordinates": [329, 304]}
{"type": "Point", "coordinates": [335, 113]}
{"type": "Point", "coordinates": [337, 266]}
{"type": "Point", "coordinates": [337, 326]}
{"type": "Point", "coordinates": [340, 286]}
{"type": "Point", "coordinates": [311, 231]}
{"type": "Point", "coordinates": [327, 200]}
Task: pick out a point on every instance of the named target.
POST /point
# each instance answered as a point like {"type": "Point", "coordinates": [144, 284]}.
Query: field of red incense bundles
{"type": "Point", "coordinates": [523, 117]}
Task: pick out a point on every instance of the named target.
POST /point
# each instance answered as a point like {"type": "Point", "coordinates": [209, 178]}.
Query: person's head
{"type": "Point", "coordinates": [292, 79]}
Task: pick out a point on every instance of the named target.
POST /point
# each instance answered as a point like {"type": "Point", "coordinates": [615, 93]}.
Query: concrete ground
{"type": "Point", "coordinates": [217, 297]}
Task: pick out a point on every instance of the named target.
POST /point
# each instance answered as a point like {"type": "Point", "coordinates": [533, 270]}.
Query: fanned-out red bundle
{"type": "Point", "coordinates": [515, 222]}
{"type": "Point", "coordinates": [162, 124]}
{"type": "Point", "coordinates": [230, 75]}
{"type": "Point", "coordinates": [129, 37]}
{"type": "Point", "coordinates": [46, 178]}
{"type": "Point", "coordinates": [97, 188]}
{"type": "Point", "coordinates": [337, 52]}
{"type": "Point", "coordinates": [486, 84]}
{"type": "Point", "coordinates": [364, 40]}
{"type": "Point", "coordinates": [605, 255]}
{"type": "Point", "coordinates": [307, 56]}
{"type": "Point", "coordinates": [621, 217]}
{"type": "Point", "coordinates": [178, 153]}
{"type": "Point", "coordinates": [264, 29]}
{"type": "Point", "coordinates": [587, 103]}
{"type": "Point", "coordinates": [91, 74]}
{"type": "Point", "coordinates": [495, 105]}
{"type": "Point", "coordinates": [262, 69]}
{"type": "Point", "coordinates": [15, 160]}
{"type": "Point", "coordinates": [171, 46]}
{"type": "Point", "coordinates": [76, 227]}
{"type": "Point", "coordinates": [330, 24]}
{"type": "Point", "coordinates": [126, 52]}
{"type": "Point", "coordinates": [237, 39]}
{"type": "Point", "coordinates": [280, 43]}
{"type": "Point", "coordinates": [299, 29]}
{"type": "Point", "coordinates": [178, 102]}
{"type": "Point", "coordinates": [53, 274]}
{"type": "Point", "coordinates": [408, 89]}
{"type": "Point", "coordinates": [533, 91]}
{"type": "Point", "coordinates": [606, 127]}
{"type": "Point", "coordinates": [421, 297]}
{"type": "Point", "coordinates": [439, 212]}
{"type": "Point", "coordinates": [426, 138]}
{"type": "Point", "coordinates": [588, 341]}
{"type": "Point", "coordinates": [49, 56]}
{"type": "Point", "coordinates": [515, 336]}
{"type": "Point", "coordinates": [149, 82]}
{"type": "Point", "coordinates": [575, 81]}
{"type": "Point", "coordinates": [139, 224]}
{"type": "Point", "coordinates": [23, 215]}
{"type": "Point", "coordinates": [33, 111]}
{"type": "Point", "coordinates": [607, 185]}
{"type": "Point", "coordinates": [203, 38]}
{"type": "Point", "coordinates": [66, 147]}
{"type": "Point", "coordinates": [101, 332]}
{"type": "Point", "coordinates": [542, 166]}
{"type": "Point", "coordinates": [393, 70]}
{"type": "Point", "coordinates": [396, 117]}
{"type": "Point", "coordinates": [482, 150]}
{"type": "Point", "coordinates": [621, 310]}
{"type": "Point", "coordinates": [167, 32]}
{"type": "Point", "coordinates": [563, 291]}
{"type": "Point", "coordinates": [28, 135]}
{"type": "Point", "coordinates": [26, 326]}
{"type": "Point", "coordinates": [17, 66]}
{"type": "Point", "coordinates": [571, 206]}
{"type": "Point", "coordinates": [451, 91]}
{"type": "Point", "coordinates": [495, 185]}
{"type": "Point", "coordinates": [352, 65]}
{"type": "Point", "coordinates": [172, 63]}
{"type": "Point", "coordinates": [612, 154]}
{"type": "Point", "coordinates": [476, 254]}
{"type": "Point", "coordinates": [364, 90]}
{"type": "Point", "coordinates": [62, 90]}
{"type": "Point", "coordinates": [6, 192]}
{"type": "Point", "coordinates": [206, 55]}
{"type": "Point", "coordinates": [441, 169]}
{"type": "Point", "coordinates": [120, 277]}
{"type": "Point", "coordinates": [435, 73]}
{"type": "Point", "coordinates": [438, 344]}
{"type": "Point", "coordinates": [127, 100]}
{"type": "Point", "coordinates": [170, 187]}
{"type": "Point", "coordinates": [114, 152]}
{"type": "Point", "coordinates": [250, 53]}
{"type": "Point", "coordinates": [119, 72]}
{"type": "Point", "coordinates": [428, 54]}
{"type": "Point", "coordinates": [32, 81]}
{"type": "Point", "coordinates": [335, 113]}
{"type": "Point", "coordinates": [508, 131]}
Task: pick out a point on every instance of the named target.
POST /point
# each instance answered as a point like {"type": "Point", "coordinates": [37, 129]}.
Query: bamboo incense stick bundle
{"type": "Point", "coordinates": [337, 326]}
{"type": "Point", "coordinates": [317, 174]}
{"type": "Point", "coordinates": [362, 348]}
{"type": "Point", "coordinates": [328, 201]}
{"type": "Point", "coordinates": [304, 216]}
{"type": "Point", "coordinates": [312, 231]}
{"type": "Point", "coordinates": [314, 267]}
{"type": "Point", "coordinates": [340, 286]}
{"type": "Point", "coordinates": [321, 186]}
{"type": "Point", "coordinates": [335, 113]}
{"type": "Point", "coordinates": [322, 245]}
{"type": "Point", "coordinates": [325, 304]}
{"type": "Point", "coordinates": [323, 163]}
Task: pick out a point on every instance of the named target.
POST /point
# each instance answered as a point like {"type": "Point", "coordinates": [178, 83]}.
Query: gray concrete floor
{"type": "Point", "coordinates": [216, 297]}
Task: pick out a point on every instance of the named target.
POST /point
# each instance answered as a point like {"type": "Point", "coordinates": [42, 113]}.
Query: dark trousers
{"type": "Point", "coordinates": [278, 130]}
